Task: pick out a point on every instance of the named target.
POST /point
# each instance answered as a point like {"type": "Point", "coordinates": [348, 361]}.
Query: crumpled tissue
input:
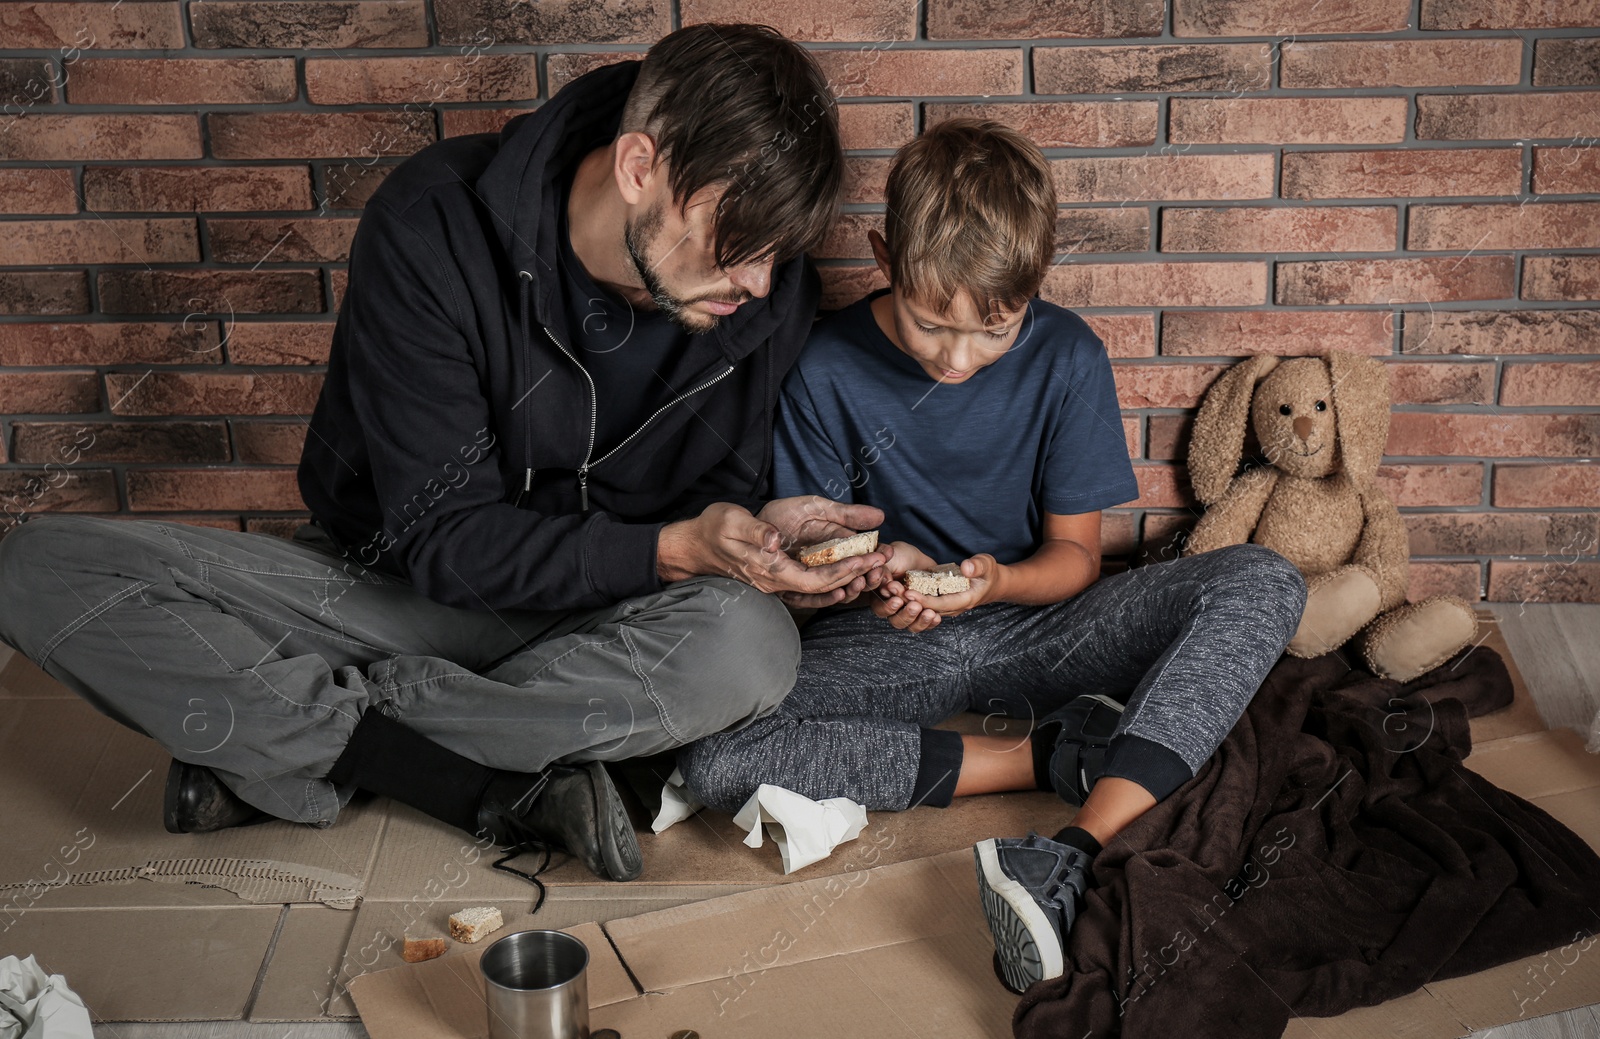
{"type": "Point", "coordinates": [34, 1005]}
{"type": "Point", "coordinates": [805, 831]}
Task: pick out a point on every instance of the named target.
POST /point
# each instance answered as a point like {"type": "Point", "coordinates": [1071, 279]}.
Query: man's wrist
{"type": "Point", "coordinates": [674, 552]}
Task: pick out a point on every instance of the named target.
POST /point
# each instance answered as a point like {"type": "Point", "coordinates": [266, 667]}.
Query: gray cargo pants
{"type": "Point", "coordinates": [255, 655]}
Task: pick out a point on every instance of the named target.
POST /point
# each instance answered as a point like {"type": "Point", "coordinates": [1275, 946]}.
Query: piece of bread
{"type": "Point", "coordinates": [418, 949]}
{"type": "Point", "coordinates": [470, 925]}
{"type": "Point", "coordinates": [835, 549]}
{"type": "Point", "coordinates": [944, 580]}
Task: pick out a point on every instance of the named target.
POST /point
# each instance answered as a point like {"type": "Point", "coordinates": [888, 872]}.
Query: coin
{"type": "Point", "coordinates": [686, 1033]}
{"type": "Point", "coordinates": [605, 1033]}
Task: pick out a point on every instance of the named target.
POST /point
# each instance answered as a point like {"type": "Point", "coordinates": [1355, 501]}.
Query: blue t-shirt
{"type": "Point", "coordinates": [957, 468]}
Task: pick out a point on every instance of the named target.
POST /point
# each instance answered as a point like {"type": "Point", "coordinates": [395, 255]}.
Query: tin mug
{"type": "Point", "coordinates": [536, 985]}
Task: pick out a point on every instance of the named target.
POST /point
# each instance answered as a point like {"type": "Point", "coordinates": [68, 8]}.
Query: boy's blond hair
{"type": "Point", "coordinates": [971, 205]}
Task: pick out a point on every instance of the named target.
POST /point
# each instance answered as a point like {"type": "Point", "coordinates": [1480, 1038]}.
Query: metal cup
{"type": "Point", "coordinates": [537, 986]}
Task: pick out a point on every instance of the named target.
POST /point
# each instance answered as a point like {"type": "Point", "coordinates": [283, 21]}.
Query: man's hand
{"type": "Point", "coordinates": [726, 539]}
{"type": "Point", "coordinates": [910, 611]}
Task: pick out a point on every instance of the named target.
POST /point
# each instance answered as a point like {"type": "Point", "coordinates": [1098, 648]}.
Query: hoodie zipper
{"type": "Point", "coordinates": [594, 416]}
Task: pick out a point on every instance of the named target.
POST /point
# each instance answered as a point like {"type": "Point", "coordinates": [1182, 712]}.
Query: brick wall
{"type": "Point", "coordinates": [179, 182]}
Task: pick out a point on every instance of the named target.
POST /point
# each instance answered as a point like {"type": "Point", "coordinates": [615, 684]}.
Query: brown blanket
{"type": "Point", "coordinates": [1334, 853]}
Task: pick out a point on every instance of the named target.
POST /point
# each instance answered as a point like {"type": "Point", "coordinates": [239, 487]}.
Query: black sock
{"type": "Point", "coordinates": [392, 759]}
{"type": "Point", "coordinates": [1078, 837]}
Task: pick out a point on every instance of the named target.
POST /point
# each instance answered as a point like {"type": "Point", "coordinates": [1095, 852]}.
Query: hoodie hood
{"type": "Point", "coordinates": [521, 186]}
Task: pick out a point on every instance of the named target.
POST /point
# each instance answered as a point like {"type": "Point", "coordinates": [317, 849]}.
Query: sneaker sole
{"type": "Point", "coordinates": [1028, 947]}
{"type": "Point", "coordinates": [619, 846]}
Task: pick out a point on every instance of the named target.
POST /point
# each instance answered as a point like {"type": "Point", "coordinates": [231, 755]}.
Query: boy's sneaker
{"type": "Point", "coordinates": [1082, 732]}
{"type": "Point", "coordinates": [1031, 889]}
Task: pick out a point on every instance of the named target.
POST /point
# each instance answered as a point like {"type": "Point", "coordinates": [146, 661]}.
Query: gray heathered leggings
{"type": "Point", "coordinates": [1185, 643]}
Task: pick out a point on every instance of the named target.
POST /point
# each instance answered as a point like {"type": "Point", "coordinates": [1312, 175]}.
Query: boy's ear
{"type": "Point", "coordinates": [880, 253]}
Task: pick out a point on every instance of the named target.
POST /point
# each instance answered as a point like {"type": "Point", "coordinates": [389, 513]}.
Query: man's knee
{"type": "Point", "coordinates": [750, 650]}
{"type": "Point", "coordinates": [36, 563]}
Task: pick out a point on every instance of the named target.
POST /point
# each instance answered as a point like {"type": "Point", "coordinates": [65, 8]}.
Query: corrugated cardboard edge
{"type": "Point", "coordinates": [257, 881]}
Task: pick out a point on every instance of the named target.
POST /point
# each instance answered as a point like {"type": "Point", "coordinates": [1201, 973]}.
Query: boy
{"type": "Point", "coordinates": [992, 435]}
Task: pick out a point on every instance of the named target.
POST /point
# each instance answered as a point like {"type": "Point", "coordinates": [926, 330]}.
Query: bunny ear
{"type": "Point", "coordinates": [1360, 412]}
{"type": "Point", "coordinates": [1216, 447]}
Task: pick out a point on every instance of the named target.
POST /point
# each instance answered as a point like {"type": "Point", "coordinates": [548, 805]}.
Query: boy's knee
{"type": "Point", "coordinates": [1265, 573]}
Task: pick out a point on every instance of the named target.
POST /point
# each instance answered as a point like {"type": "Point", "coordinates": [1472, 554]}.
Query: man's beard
{"type": "Point", "coordinates": [637, 235]}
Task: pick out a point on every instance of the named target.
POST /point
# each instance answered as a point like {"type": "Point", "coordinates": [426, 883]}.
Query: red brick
{"type": "Point", "coordinates": [1401, 63]}
{"type": "Point", "coordinates": [1163, 486]}
{"type": "Point", "coordinates": [313, 240]}
{"type": "Point", "coordinates": [1443, 434]}
{"type": "Point", "coordinates": [348, 185]}
{"type": "Point", "coordinates": [1041, 19]}
{"type": "Point", "coordinates": [458, 122]}
{"type": "Point", "coordinates": [1548, 486]}
{"type": "Point", "coordinates": [551, 21]}
{"type": "Point", "coordinates": [1106, 229]}
{"type": "Point", "coordinates": [264, 342]}
{"type": "Point", "coordinates": [1567, 62]}
{"type": "Point", "coordinates": [319, 135]}
{"type": "Point", "coordinates": [1124, 335]}
{"type": "Point", "coordinates": [1402, 173]}
{"type": "Point", "coordinates": [865, 178]}
{"type": "Point", "coordinates": [44, 137]}
{"type": "Point", "coordinates": [217, 489]}
{"type": "Point", "coordinates": [884, 124]}
{"type": "Point", "coordinates": [1287, 17]}
{"type": "Point", "coordinates": [269, 443]}
{"type": "Point", "coordinates": [1164, 385]}
{"type": "Point", "coordinates": [842, 286]}
{"type": "Point", "coordinates": [422, 80]}
{"type": "Point", "coordinates": [1064, 124]}
{"type": "Point", "coordinates": [1551, 383]}
{"type": "Point", "coordinates": [277, 526]}
{"type": "Point", "coordinates": [1496, 533]}
{"type": "Point", "coordinates": [1301, 229]}
{"type": "Point", "coordinates": [65, 393]}
{"type": "Point", "coordinates": [99, 240]}
{"type": "Point", "coordinates": [912, 73]}
{"type": "Point", "coordinates": [182, 81]}
{"type": "Point", "coordinates": [193, 189]}
{"type": "Point", "coordinates": [561, 69]}
{"type": "Point", "coordinates": [1164, 68]}
{"type": "Point", "coordinates": [1441, 382]}
{"type": "Point", "coordinates": [338, 279]}
{"type": "Point", "coordinates": [1234, 333]}
{"type": "Point", "coordinates": [1535, 225]}
{"type": "Point", "coordinates": [1508, 14]}
{"type": "Point", "coordinates": [1179, 177]}
{"type": "Point", "coordinates": [126, 26]}
{"type": "Point", "coordinates": [121, 441]}
{"type": "Point", "coordinates": [223, 293]}
{"type": "Point", "coordinates": [1287, 120]}
{"type": "Point", "coordinates": [25, 82]}
{"type": "Point", "coordinates": [293, 25]}
{"type": "Point", "coordinates": [1432, 484]}
{"type": "Point", "coordinates": [1168, 437]}
{"type": "Point", "coordinates": [1156, 284]}
{"type": "Point", "coordinates": [44, 292]}
{"type": "Point", "coordinates": [1561, 277]}
{"type": "Point", "coordinates": [1323, 282]}
{"type": "Point", "coordinates": [204, 393]}
{"type": "Point", "coordinates": [1424, 579]}
{"type": "Point", "coordinates": [1466, 117]}
{"type": "Point", "coordinates": [37, 191]}
{"type": "Point", "coordinates": [1571, 169]}
{"type": "Point", "coordinates": [814, 20]}
{"type": "Point", "coordinates": [1494, 332]}
{"type": "Point", "coordinates": [1558, 579]}
{"type": "Point", "coordinates": [25, 492]}
{"type": "Point", "coordinates": [108, 342]}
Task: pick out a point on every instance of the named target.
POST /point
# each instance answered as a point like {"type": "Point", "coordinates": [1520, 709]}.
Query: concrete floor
{"type": "Point", "coordinates": [1555, 646]}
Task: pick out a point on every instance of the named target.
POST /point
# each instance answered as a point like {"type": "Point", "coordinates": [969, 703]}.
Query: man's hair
{"type": "Point", "coordinates": [742, 106]}
{"type": "Point", "coordinates": [971, 205]}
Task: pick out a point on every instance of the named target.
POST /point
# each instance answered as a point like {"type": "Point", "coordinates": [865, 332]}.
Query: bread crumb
{"type": "Point", "coordinates": [835, 549]}
{"type": "Point", "coordinates": [945, 580]}
{"type": "Point", "coordinates": [418, 949]}
{"type": "Point", "coordinates": [470, 925]}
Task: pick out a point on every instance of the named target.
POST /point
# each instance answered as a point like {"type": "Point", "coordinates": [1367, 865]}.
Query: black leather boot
{"type": "Point", "coordinates": [572, 807]}
{"type": "Point", "coordinates": [196, 801]}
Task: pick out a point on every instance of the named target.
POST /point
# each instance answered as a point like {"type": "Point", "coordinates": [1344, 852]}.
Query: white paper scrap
{"type": "Point", "coordinates": [677, 803]}
{"type": "Point", "coordinates": [34, 1005]}
{"type": "Point", "coordinates": [805, 831]}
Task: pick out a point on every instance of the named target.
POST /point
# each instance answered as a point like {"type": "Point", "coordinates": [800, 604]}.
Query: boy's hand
{"type": "Point", "coordinates": [982, 571]}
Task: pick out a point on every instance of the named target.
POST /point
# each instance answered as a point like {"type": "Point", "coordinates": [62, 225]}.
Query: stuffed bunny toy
{"type": "Point", "coordinates": [1321, 423]}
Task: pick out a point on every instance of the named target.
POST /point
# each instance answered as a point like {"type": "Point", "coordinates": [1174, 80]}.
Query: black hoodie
{"type": "Point", "coordinates": [453, 443]}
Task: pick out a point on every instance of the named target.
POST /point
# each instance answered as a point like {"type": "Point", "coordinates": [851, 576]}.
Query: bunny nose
{"type": "Point", "coordinates": [1302, 427]}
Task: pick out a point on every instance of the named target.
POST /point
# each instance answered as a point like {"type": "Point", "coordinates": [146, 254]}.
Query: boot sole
{"type": "Point", "coordinates": [1027, 945]}
{"type": "Point", "coordinates": [619, 845]}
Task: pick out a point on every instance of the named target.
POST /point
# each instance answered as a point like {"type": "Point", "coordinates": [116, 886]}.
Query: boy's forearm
{"type": "Point", "coordinates": [1059, 570]}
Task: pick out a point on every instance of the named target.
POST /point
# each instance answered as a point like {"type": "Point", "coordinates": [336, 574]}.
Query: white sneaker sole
{"type": "Point", "coordinates": [1029, 948]}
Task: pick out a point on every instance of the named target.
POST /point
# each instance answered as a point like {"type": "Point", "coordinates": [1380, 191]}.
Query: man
{"type": "Point", "coordinates": [537, 473]}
